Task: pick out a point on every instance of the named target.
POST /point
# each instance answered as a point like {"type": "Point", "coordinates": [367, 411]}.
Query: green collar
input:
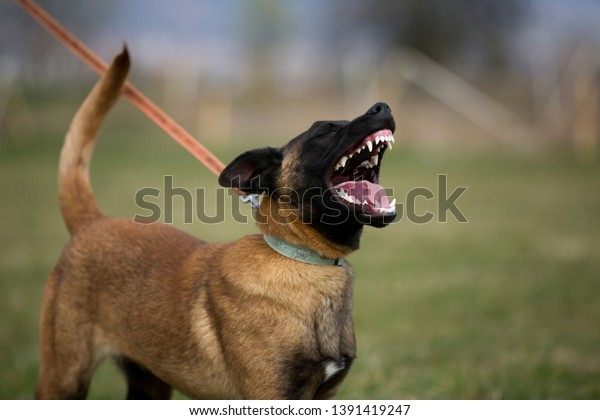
{"type": "Point", "coordinates": [299, 253]}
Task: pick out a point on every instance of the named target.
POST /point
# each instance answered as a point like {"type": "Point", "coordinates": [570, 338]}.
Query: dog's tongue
{"type": "Point", "coordinates": [373, 194]}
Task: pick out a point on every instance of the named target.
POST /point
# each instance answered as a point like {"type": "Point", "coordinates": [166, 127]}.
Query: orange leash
{"type": "Point", "coordinates": [178, 133]}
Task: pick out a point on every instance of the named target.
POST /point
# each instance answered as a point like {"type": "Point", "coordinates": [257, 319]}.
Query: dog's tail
{"type": "Point", "coordinates": [77, 202]}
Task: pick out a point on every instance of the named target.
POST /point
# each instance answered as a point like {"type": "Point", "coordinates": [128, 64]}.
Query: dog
{"type": "Point", "coordinates": [268, 316]}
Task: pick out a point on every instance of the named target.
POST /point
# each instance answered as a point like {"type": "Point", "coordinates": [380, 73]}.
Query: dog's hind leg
{"type": "Point", "coordinates": [66, 344]}
{"type": "Point", "coordinates": [141, 383]}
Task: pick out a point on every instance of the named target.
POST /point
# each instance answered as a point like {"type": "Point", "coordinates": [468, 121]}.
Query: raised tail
{"type": "Point", "coordinates": [77, 202]}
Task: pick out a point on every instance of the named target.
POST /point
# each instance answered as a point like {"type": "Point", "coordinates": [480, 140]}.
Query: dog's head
{"type": "Point", "coordinates": [327, 176]}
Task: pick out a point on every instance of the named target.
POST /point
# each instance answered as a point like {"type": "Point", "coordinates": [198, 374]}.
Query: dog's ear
{"type": "Point", "coordinates": [253, 172]}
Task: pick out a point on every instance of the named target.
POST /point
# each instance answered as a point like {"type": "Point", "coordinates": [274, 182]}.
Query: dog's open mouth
{"type": "Point", "coordinates": [355, 177]}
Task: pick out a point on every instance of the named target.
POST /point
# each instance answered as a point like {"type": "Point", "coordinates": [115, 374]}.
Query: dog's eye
{"type": "Point", "coordinates": [323, 128]}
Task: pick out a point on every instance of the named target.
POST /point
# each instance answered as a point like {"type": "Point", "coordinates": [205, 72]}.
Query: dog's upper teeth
{"type": "Point", "coordinates": [377, 143]}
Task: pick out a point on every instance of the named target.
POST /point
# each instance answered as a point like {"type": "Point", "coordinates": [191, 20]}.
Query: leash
{"type": "Point", "coordinates": [135, 96]}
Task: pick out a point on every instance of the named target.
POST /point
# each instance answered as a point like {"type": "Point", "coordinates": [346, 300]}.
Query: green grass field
{"type": "Point", "coordinates": [505, 306]}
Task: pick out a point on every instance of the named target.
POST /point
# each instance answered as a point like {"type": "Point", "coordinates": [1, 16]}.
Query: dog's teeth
{"type": "Point", "coordinates": [392, 139]}
{"type": "Point", "coordinates": [347, 197]}
{"type": "Point", "coordinates": [365, 203]}
{"type": "Point", "coordinates": [389, 143]}
{"type": "Point", "coordinates": [375, 160]}
{"type": "Point", "coordinates": [356, 201]}
{"type": "Point", "coordinates": [370, 145]}
{"type": "Point", "coordinates": [350, 155]}
{"type": "Point", "coordinates": [342, 162]}
{"type": "Point", "coordinates": [386, 211]}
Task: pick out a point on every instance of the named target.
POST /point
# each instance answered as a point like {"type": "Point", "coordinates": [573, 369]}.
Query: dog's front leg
{"type": "Point", "coordinates": [282, 378]}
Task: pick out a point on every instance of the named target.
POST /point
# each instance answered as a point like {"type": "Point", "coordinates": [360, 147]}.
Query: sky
{"type": "Point", "coordinates": [213, 37]}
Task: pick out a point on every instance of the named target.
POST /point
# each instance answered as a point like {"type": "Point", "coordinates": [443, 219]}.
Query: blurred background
{"type": "Point", "coordinates": [500, 95]}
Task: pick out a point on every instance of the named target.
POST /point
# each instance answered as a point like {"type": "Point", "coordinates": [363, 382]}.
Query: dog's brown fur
{"type": "Point", "coordinates": [213, 320]}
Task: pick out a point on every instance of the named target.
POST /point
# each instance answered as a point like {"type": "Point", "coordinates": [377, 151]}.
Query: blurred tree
{"type": "Point", "coordinates": [23, 39]}
{"type": "Point", "coordinates": [455, 33]}
{"type": "Point", "coordinates": [264, 25]}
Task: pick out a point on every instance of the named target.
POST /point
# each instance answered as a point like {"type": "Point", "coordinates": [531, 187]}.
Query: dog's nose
{"type": "Point", "coordinates": [380, 108]}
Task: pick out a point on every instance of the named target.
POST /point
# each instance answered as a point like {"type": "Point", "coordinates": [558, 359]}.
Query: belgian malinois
{"type": "Point", "coordinates": [268, 316]}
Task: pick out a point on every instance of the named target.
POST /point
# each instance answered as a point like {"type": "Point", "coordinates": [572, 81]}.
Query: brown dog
{"type": "Point", "coordinates": [264, 317]}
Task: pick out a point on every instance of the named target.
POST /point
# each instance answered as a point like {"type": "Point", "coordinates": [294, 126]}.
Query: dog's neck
{"type": "Point", "coordinates": [275, 219]}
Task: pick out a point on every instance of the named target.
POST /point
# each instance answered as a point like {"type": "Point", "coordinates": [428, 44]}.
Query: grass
{"type": "Point", "coordinates": [505, 306]}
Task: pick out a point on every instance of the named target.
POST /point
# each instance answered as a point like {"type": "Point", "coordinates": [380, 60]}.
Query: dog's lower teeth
{"type": "Point", "coordinates": [342, 193]}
